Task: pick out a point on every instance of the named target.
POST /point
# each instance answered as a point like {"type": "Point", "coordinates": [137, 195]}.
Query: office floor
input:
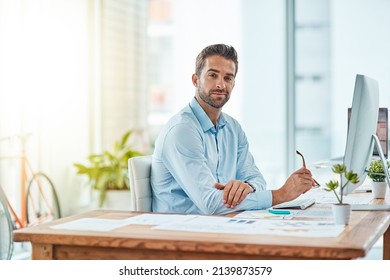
{"type": "Point", "coordinates": [22, 251]}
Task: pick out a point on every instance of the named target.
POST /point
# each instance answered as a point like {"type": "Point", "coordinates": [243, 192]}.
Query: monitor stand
{"type": "Point", "coordinates": [375, 141]}
{"type": "Point", "coordinates": [376, 207]}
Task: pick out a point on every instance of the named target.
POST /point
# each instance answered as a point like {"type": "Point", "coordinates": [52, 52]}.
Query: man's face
{"type": "Point", "coordinates": [216, 81]}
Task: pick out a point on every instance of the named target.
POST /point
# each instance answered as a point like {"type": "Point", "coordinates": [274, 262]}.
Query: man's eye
{"type": "Point", "coordinates": [229, 79]}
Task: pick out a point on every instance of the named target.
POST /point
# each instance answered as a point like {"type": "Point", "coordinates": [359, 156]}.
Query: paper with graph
{"type": "Point", "coordinates": [250, 226]}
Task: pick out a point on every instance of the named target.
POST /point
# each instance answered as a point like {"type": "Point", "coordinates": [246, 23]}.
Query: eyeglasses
{"type": "Point", "coordinates": [304, 165]}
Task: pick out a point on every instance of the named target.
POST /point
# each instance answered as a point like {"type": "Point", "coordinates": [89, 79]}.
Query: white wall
{"type": "Point", "coordinates": [263, 74]}
{"type": "Point", "coordinates": [360, 43]}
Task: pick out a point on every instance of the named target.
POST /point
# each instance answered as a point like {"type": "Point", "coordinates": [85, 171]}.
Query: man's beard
{"type": "Point", "coordinates": [207, 98]}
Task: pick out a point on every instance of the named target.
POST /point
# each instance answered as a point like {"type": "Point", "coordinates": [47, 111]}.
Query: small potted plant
{"type": "Point", "coordinates": [108, 171]}
{"type": "Point", "coordinates": [341, 210]}
{"type": "Point", "coordinates": [378, 178]}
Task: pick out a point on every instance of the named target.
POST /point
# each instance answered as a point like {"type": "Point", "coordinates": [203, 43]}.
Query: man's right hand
{"type": "Point", "coordinates": [298, 183]}
{"type": "Point", "coordinates": [234, 192]}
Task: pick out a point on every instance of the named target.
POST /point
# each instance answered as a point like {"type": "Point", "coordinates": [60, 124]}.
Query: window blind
{"type": "Point", "coordinates": [123, 37]}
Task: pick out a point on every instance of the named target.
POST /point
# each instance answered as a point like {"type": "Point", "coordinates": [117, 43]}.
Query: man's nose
{"type": "Point", "coordinates": [221, 84]}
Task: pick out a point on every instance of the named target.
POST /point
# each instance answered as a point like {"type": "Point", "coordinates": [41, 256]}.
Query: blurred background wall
{"type": "Point", "coordinates": [75, 75]}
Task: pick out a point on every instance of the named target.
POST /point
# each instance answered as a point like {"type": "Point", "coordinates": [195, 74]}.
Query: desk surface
{"type": "Point", "coordinates": [143, 242]}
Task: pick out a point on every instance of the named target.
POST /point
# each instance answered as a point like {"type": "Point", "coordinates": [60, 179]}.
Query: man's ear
{"type": "Point", "coordinates": [195, 80]}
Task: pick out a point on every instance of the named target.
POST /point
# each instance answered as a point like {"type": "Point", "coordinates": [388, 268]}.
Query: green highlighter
{"type": "Point", "coordinates": [279, 212]}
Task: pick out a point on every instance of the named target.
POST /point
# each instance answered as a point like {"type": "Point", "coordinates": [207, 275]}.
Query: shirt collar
{"type": "Point", "coordinates": [203, 119]}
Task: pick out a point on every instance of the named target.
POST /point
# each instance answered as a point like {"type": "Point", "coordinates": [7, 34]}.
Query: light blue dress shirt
{"type": "Point", "coordinates": [191, 155]}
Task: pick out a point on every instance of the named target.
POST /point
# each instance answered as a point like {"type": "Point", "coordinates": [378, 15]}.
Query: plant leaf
{"type": "Point", "coordinates": [109, 170]}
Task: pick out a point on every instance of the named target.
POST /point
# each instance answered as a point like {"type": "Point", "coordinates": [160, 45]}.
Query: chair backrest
{"type": "Point", "coordinates": [140, 188]}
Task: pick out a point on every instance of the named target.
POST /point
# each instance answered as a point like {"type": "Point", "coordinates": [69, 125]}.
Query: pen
{"type": "Point", "coordinates": [279, 212]}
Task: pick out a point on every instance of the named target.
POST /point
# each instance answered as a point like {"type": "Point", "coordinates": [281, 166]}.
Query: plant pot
{"type": "Point", "coordinates": [341, 213]}
{"type": "Point", "coordinates": [379, 189]}
{"type": "Point", "coordinates": [117, 200]}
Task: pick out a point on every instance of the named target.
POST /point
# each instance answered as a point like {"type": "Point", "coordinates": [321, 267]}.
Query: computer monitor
{"type": "Point", "coordinates": [361, 136]}
{"type": "Point", "coordinates": [382, 130]}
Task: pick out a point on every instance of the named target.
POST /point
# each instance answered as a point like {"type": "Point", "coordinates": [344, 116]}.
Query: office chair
{"type": "Point", "coordinates": [140, 188]}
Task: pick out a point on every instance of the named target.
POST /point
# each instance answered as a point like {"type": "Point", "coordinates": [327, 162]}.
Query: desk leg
{"type": "Point", "coordinates": [386, 244]}
{"type": "Point", "coordinates": [42, 251]}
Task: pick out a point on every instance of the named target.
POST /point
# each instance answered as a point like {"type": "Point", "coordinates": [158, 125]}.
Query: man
{"type": "Point", "coordinates": [201, 162]}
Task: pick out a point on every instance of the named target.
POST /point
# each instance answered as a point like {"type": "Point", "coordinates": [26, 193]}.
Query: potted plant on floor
{"type": "Point", "coordinates": [341, 210]}
{"type": "Point", "coordinates": [378, 178]}
{"type": "Point", "coordinates": [108, 171]}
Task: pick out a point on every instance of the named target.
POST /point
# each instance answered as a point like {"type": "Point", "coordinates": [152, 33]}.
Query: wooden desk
{"type": "Point", "coordinates": [142, 242]}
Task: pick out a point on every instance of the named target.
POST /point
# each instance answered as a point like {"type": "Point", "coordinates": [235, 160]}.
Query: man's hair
{"type": "Point", "coordinates": [225, 51]}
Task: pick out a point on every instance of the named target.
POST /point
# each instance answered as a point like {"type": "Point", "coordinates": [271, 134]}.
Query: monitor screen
{"type": "Point", "coordinates": [362, 126]}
